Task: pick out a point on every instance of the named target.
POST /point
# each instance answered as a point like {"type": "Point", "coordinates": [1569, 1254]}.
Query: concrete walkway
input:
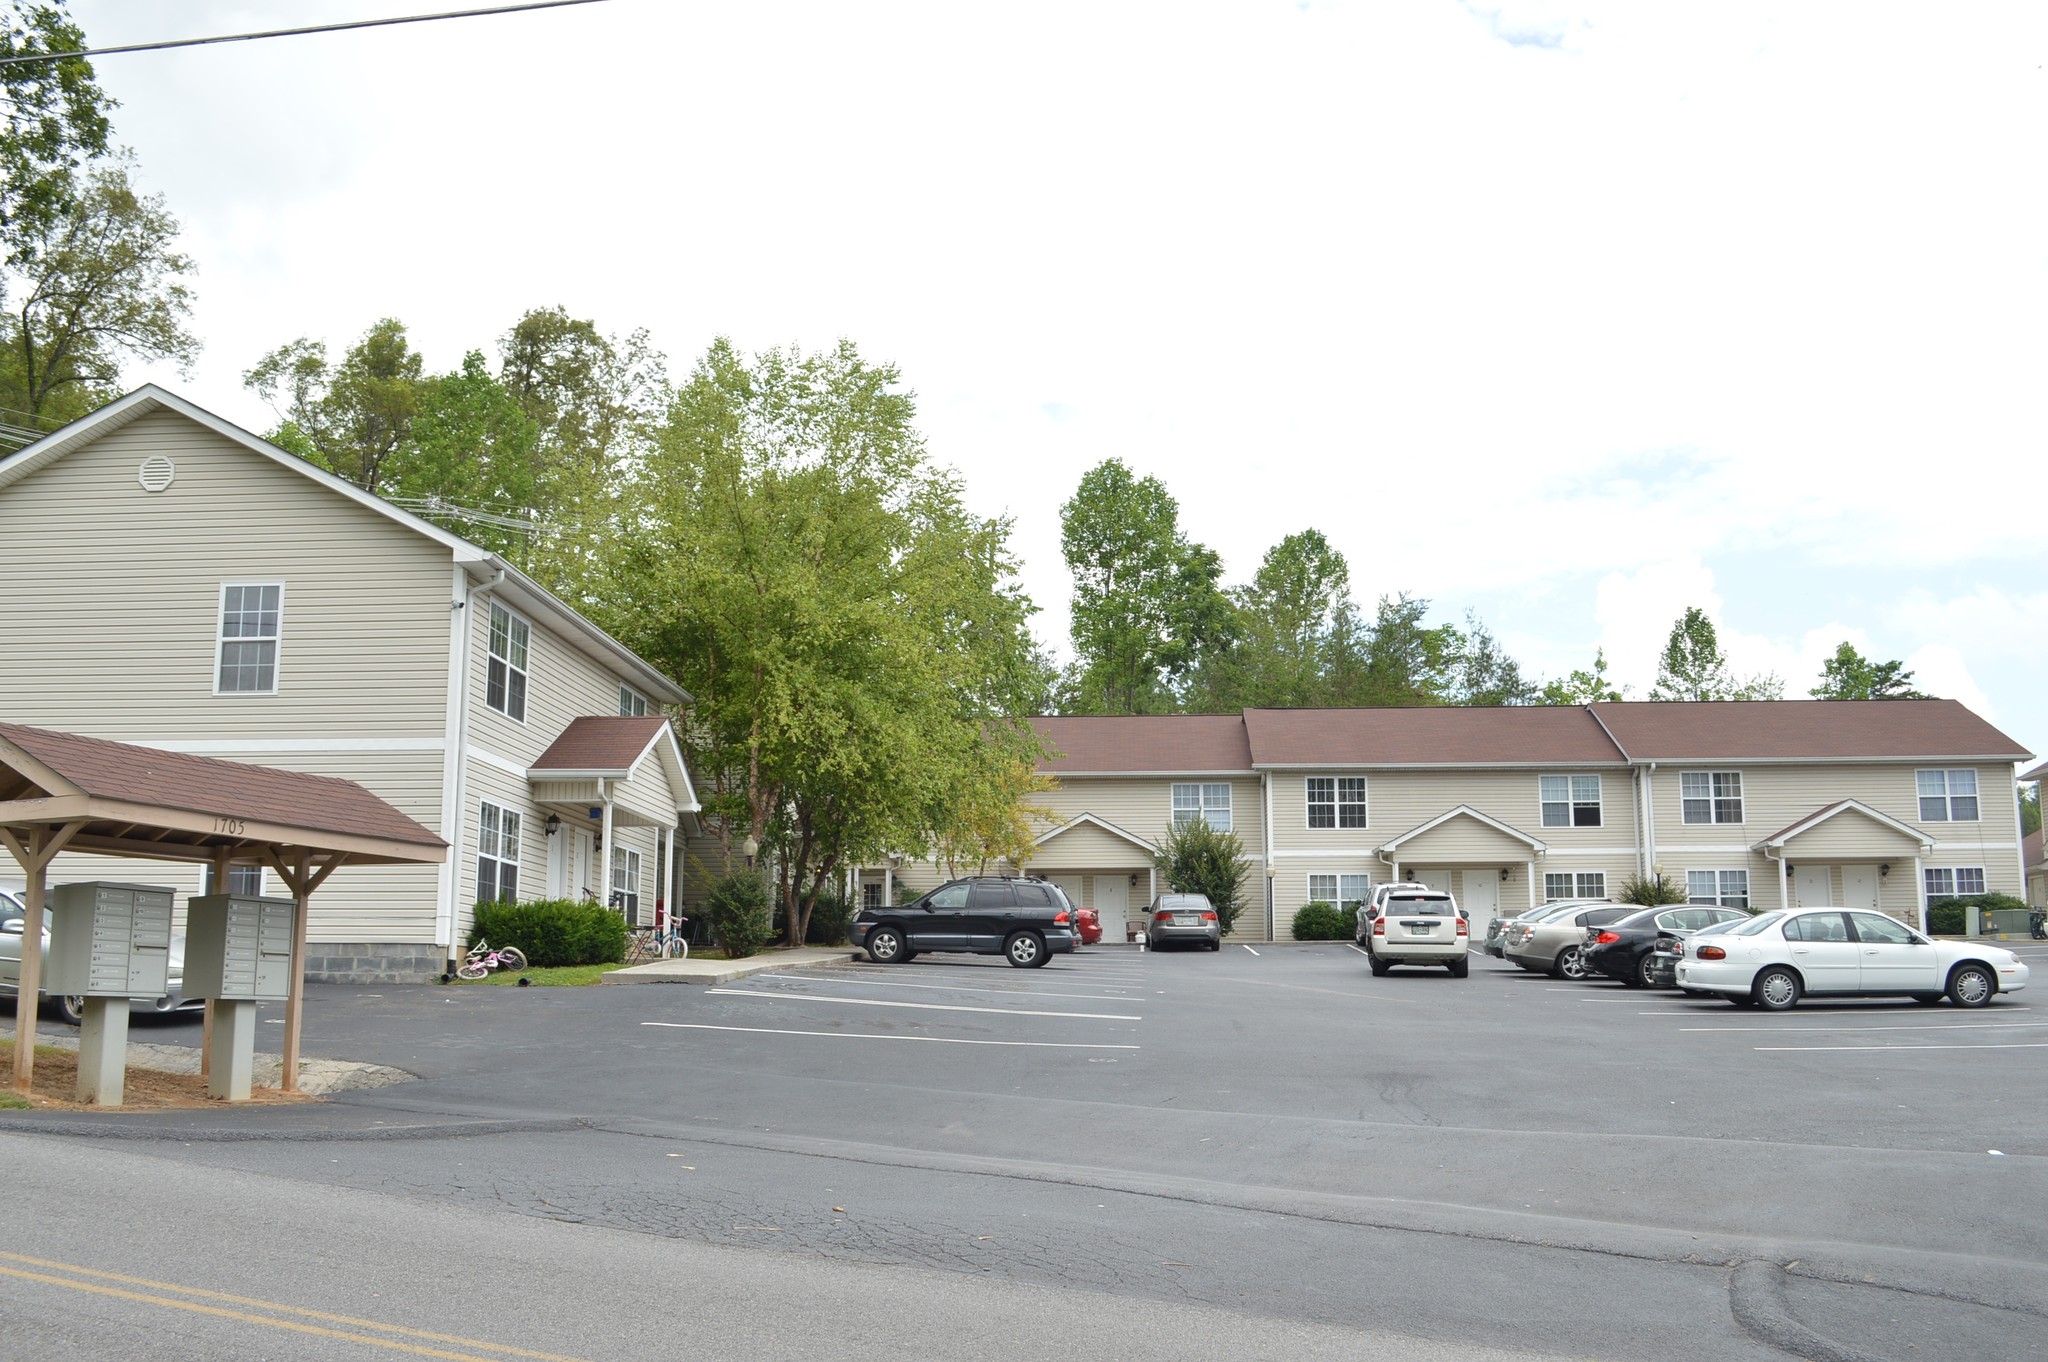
{"type": "Point", "coordinates": [700, 971]}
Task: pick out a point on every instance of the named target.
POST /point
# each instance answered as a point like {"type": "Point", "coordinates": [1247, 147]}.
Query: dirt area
{"type": "Point", "coordinates": [56, 1084]}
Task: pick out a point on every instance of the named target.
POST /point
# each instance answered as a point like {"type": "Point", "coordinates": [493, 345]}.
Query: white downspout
{"type": "Point", "coordinates": [1650, 819]}
{"type": "Point", "coordinates": [451, 909]}
{"type": "Point", "coordinates": [1272, 926]}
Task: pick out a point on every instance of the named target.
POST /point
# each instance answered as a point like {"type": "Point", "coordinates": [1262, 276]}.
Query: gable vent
{"type": "Point", "coordinates": [156, 473]}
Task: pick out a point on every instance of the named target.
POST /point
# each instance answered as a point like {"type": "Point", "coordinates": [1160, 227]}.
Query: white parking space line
{"type": "Point", "coordinates": [943, 988]}
{"type": "Point", "coordinates": [1949, 1026]}
{"type": "Point", "coordinates": [1360, 949]}
{"type": "Point", "coordinates": [1873, 1049]}
{"type": "Point", "coordinates": [857, 1035]}
{"type": "Point", "coordinates": [922, 1007]}
{"type": "Point", "coordinates": [1247, 948]}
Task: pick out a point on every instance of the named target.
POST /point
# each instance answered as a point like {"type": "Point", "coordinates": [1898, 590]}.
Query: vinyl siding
{"type": "Point", "coordinates": [1850, 836]}
{"type": "Point", "coordinates": [561, 684]}
{"type": "Point", "coordinates": [1399, 800]}
{"type": "Point", "coordinates": [118, 638]}
{"type": "Point", "coordinates": [1143, 805]}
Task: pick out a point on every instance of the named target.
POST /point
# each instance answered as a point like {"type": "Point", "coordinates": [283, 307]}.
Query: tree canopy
{"type": "Point", "coordinates": [1849, 675]}
{"type": "Point", "coordinates": [53, 121]}
{"type": "Point", "coordinates": [1693, 667]}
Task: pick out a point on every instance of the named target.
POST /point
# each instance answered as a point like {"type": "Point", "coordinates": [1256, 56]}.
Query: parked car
{"type": "Point", "coordinates": [1664, 955]}
{"type": "Point", "coordinates": [1555, 945]}
{"type": "Point", "coordinates": [1415, 925]}
{"type": "Point", "coordinates": [1505, 929]}
{"type": "Point", "coordinates": [1024, 919]}
{"type": "Point", "coordinates": [1185, 919]}
{"type": "Point", "coordinates": [1775, 959]}
{"type": "Point", "coordinates": [1088, 923]}
{"type": "Point", "coordinates": [1621, 949]}
{"type": "Point", "coordinates": [71, 1007]}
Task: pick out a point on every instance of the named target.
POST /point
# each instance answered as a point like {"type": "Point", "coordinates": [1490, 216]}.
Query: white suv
{"type": "Point", "coordinates": [1412, 924]}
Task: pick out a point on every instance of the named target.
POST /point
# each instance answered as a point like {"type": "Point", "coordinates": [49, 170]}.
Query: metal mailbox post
{"type": "Point", "coordinates": [108, 942]}
{"type": "Point", "coordinates": [238, 952]}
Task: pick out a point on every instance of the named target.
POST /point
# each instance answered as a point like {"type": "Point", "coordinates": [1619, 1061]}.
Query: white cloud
{"type": "Point", "coordinates": [1990, 621]}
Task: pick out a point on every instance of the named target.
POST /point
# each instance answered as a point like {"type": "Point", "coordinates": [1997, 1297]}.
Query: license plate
{"type": "Point", "coordinates": [1419, 928]}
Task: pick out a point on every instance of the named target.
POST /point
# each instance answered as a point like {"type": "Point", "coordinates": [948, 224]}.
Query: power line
{"type": "Point", "coordinates": [293, 32]}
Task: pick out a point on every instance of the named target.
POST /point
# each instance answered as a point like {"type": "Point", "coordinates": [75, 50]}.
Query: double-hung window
{"type": "Point", "coordinates": [1948, 796]}
{"type": "Point", "coordinates": [1336, 801]}
{"type": "Point", "coordinates": [505, 684]}
{"type": "Point", "coordinates": [632, 703]}
{"type": "Point", "coordinates": [1711, 796]}
{"type": "Point", "coordinates": [497, 854]}
{"type": "Point", "coordinates": [1342, 891]}
{"type": "Point", "coordinates": [626, 881]}
{"type": "Point", "coordinates": [1728, 888]}
{"type": "Point", "coordinates": [1943, 882]}
{"type": "Point", "coordinates": [1208, 800]}
{"type": "Point", "coordinates": [250, 617]}
{"type": "Point", "coordinates": [1570, 801]}
{"type": "Point", "coordinates": [1582, 884]}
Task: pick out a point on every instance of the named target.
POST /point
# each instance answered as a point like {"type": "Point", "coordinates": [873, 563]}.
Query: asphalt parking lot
{"type": "Point", "coordinates": [1272, 1096]}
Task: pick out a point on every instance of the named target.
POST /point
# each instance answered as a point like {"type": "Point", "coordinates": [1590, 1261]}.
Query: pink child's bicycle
{"type": "Point", "coordinates": [483, 959]}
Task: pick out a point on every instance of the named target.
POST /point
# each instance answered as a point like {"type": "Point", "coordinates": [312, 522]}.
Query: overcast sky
{"type": "Point", "coordinates": [1570, 314]}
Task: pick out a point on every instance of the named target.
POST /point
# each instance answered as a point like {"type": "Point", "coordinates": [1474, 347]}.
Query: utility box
{"type": "Point", "coordinates": [238, 947]}
{"type": "Point", "coordinates": [109, 940]}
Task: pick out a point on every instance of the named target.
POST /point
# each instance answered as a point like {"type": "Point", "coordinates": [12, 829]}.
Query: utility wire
{"type": "Point", "coordinates": [292, 32]}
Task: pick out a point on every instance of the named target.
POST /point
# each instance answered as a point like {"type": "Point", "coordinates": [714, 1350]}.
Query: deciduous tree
{"type": "Point", "coordinates": [1693, 667]}
{"type": "Point", "coordinates": [53, 121]}
{"type": "Point", "coordinates": [1584, 687]}
{"type": "Point", "coordinates": [1849, 675]}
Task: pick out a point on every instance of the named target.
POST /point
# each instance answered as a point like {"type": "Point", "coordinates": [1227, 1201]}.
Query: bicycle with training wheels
{"type": "Point", "coordinates": [483, 958]}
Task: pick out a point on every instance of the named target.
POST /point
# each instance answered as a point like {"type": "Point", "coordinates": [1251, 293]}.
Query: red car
{"type": "Point", "coordinates": [1089, 923]}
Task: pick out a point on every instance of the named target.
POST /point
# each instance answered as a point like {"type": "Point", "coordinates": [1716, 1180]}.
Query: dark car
{"type": "Point", "coordinates": [1025, 920]}
{"type": "Point", "coordinates": [1626, 950]}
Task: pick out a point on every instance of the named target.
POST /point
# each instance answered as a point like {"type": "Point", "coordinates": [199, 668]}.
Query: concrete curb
{"type": "Point", "coordinates": [317, 1077]}
{"type": "Point", "coordinates": [725, 971]}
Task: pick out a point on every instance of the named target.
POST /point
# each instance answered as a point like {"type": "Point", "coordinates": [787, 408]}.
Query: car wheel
{"type": "Point", "coordinates": [1971, 986]}
{"type": "Point", "coordinates": [1645, 975]}
{"type": "Point", "coordinates": [1215, 945]}
{"type": "Point", "coordinates": [1570, 964]}
{"type": "Point", "coordinates": [885, 946]}
{"type": "Point", "coordinates": [1776, 990]}
{"type": "Point", "coordinates": [1024, 951]}
{"type": "Point", "coordinates": [1460, 968]}
{"type": "Point", "coordinates": [1379, 966]}
{"type": "Point", "coordinates": [70, 1007]}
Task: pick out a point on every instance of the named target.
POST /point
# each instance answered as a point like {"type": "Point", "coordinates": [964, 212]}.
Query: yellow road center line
{"type": "Point", "coordinates": [350, 1320]}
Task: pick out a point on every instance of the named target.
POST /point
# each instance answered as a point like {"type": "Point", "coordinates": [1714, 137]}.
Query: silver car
{"type": "Point", "coordinates": [14, 918]}
{"type": "Point", "coordinates": [1552, 946]}
{"type": "Point", "coordinates": [1185, 919]}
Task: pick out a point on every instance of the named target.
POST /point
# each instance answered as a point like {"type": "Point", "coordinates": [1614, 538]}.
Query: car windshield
{"type": "Point", "coordinates": [1755, 924]}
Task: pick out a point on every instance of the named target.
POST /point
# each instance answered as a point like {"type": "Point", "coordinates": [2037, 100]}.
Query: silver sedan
{"type": "Point", "coordinates": [14, 917]}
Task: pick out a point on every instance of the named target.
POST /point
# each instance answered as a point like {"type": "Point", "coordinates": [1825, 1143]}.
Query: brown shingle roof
{"type": "Point", "coordinates": [1806, 730]}
{"type": "Point", "coordinates": [601, 742]}
{"type": "Point", "coordinates": [208, 785]}
{"type": "Point", "coordinates": [1508, 736]}
{"type": "Point", "coordinates": [1144, 743]}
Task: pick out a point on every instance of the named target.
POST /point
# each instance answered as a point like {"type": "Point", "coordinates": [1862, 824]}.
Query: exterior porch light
{"type": "Point", "coordinates": [552, 826]}
{"type": "Point", "coordinates": [1503, 874]}
{"type": "Point", "coordinates": [1884, 870]}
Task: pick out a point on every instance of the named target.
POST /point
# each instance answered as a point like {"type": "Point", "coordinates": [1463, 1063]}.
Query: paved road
{"type": "Point", "coordinates": [1503, 1161]}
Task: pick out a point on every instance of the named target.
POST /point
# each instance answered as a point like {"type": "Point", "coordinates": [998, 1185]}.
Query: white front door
{"type": "Point", "coordinates": [558, 867]}
{"type": "Point", "coordinates": [1112, 902]}
{"type": "Point", "coordinates": [1810, 887]}
{"type": "Point", "coordinates": [582, 883]}
{"type": "Point", "coordinates": [1481, 901]}
{"type": "Point", "coordinates": [1859, 887]}
{"type": "Point", "coordinates": [1439, 880]}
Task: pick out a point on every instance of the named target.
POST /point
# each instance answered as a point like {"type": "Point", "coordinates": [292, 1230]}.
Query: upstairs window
{"type": "Point", "coordinates": [505, 686]}
{"type": "Point", "coordinates": [1336, 801]}
{"type": "Point", "coordinates": [1948, 796]}
{"type": "Point", "coordinates": [1209, 801]}
{"type": "Point", "coordinates": [1570, 801]}
{"type": "Point", "coordinates": [250, 615]}
{"type": "Point", "coordinates": [1711, 796]}
{"type": "Point", "coordinates": [632, 704]}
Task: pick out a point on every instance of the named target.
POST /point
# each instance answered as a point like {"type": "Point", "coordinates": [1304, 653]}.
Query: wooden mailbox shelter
{"type": "Point", "coordinates": [65, 792]}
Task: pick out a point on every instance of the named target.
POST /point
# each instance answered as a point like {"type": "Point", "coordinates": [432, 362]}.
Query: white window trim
{"type": "Point", "coordinates": [1337, 900]}
{"type": "Point", "coordinates": [1337, 803]}
{"type": "Point", "coordinates": [624, 691]}
{"type": "Point", "coordinates": [1720, 899]}
{"type": "Point", "coordinates": [1571, 803]}
{"type": "Point", "coordinates": [220, 637]}
{"type": "Point", "coordinates": [1576, 877]}
{"type": "Point", "coordinates": [1955, 891]}
{"type": "Point", "coordinates": [1948, 797]}
{"type": "Point", "coordinates": [1713, 822]}
{"type": "Point", "coordinates": [490, 657]}
{"type": "Point", "coordinates": [513, 860]}
{"type": "Point", "coordinates": [1201, 804]}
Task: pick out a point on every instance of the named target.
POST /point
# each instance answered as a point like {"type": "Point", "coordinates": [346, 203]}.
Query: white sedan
{"type": "Point", "coordinates": [1774, 959]}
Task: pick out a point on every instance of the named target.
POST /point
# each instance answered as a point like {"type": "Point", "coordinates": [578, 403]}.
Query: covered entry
{"type": "Point", "coordinates": [1494, 864]}
{"type": "Point", "coordinates": [1100, 866]}
{"type": "Point", "coordinates": [63, 792]}
{"type": "Point", "coordinates": [1845, 854]}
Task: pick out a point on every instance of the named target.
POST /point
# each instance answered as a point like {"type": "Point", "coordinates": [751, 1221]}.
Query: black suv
{"type": "Point", "coordinates": [1023, 920]}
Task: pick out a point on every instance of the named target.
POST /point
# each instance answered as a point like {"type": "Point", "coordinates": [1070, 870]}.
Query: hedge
{"type": "Point", "coordinates": [554, 931]}
{"type": "Point", "coordinates": [738, 909]}
{"type": "Point", "coordinates": [1948, 916]}
{"type": "Point", "coordinates": [1320, 922]}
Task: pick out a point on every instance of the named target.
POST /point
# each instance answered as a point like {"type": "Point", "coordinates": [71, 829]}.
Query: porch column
{"type": "Point", "coordinates": [1784, 882]}
{"type": "Point", "coordinates": [1529, 869]}
{"type": "Point", "coordinates": [888, 883]}
{"type": "Point", "coordinates": [1920, 894]}
{"type": "Point", "coordinates": [604, 851]}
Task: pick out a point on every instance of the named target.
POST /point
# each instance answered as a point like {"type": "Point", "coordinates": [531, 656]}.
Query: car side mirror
{"type": "Point", "coordinates": [14, 926]}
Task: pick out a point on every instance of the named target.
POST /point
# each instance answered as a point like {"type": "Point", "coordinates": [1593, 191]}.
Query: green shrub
{"type": "Point", "coordinates": [554, 931]}
{"type": "Point", "coordinates": [1950, 916]}
{"type": "Point", "coordinates": [1651, 891]}
{"type": "Point", "coordinates": [830, 918]}
{"type": "Point", "coordinates": [738, 909]}
{"type": "Point", "coordinates": [1195, 858]}
{"type": "Point", "coordinates": [1320, 922]}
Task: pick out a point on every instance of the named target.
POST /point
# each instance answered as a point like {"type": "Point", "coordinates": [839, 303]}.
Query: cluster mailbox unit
{"type": "Point", "coordinates": [108, 943]}
{"type": "Point", "coordinates": [238, 952]}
